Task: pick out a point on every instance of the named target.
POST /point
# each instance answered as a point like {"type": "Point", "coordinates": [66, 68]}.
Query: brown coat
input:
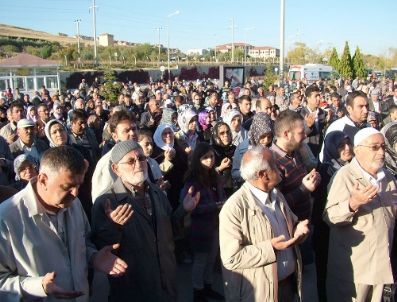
{"type": "Point", "coordinates": [360, 242]}
{"type": "Point", "coordinates": [249, 261]}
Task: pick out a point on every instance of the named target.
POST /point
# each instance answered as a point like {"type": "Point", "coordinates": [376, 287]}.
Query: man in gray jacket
{"type": "Point", "coordinates": [45, 249]}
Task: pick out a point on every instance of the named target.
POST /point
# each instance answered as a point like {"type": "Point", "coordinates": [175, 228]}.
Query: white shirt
{"type": "Point", "coordinates": [270, 207]}
{"type": "Point", "coordinates": [377, 182]}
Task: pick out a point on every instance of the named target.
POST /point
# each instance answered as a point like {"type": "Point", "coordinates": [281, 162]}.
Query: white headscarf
{"type": "Point", "coordinates": [158, 139]}
{"type": "Point", "coordinates": [184, 119]}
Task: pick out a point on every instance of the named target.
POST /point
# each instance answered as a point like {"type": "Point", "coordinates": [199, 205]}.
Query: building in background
{"type": "Point", "coordinates": [225, 48]}
{"type": "Point", "coordinates": [264, 52]}
{"type": "Point", "coordinates": [106, 39]}
{"type": "Point", "coordinates": [29, 73]}
{"type": "Point", "coordinates": [197, 51]}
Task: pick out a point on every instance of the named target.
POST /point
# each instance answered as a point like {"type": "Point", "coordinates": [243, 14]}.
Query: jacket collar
{"type": "Point", "coordinates": [250, 197]}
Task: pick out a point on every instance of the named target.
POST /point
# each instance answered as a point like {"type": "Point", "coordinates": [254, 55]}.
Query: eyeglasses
{"type": "Point", "coordinates": [132, 161]}
{"type": "Point", "coordinates": [375, 147]}
{"type": "Point", "coordinates": [224, 132]}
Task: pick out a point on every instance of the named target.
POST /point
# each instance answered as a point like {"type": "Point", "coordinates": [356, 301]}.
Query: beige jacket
{"type": "Point", "coordinates": [360, 242]}
{"type": "Point", "coordinates": [249, 261]}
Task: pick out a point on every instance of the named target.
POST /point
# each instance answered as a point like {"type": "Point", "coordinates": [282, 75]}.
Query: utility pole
{"type": "Point", "coordinates": [168, 42]}
{"type": "Point", "coordinates": [232, 40]}
{"type": "Point", "coordinates": [77, 21]}
{"type": "Point", "coordinates": [158, 29]}
{"type": "Point", "coordinates": [282, 38]}
{"type": "Point", "coordinates": [93, 8]}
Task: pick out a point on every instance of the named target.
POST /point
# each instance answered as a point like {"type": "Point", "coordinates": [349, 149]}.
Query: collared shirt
{"type": "Point", "coordinates": [292, 172]}
{"type": "Point", "coordinates": [270, 207]}
{"type": "Point", "coordinates": [377, 182]}
{"type": "Point", "coordinates": [32, 150]}
{"type": "Point", "coordinates": [32, 234]}
{"type": "Point", "coordinates": [24, 147]}
{"type": "Point", "coordinates": [377, 107]}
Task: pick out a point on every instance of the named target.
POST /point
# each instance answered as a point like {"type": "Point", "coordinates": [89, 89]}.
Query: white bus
{"type": "Point", "coordinates": [310, 72]}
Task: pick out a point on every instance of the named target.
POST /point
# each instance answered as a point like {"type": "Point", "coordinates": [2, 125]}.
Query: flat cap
{"type": "Point", "coordinates": [25, 123]}
{"type": "Point", "coordinates": [121, 149]}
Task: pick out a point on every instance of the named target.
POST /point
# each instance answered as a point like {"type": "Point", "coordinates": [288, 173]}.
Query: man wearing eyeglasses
{"type": "Point", "coordinates": [145, 237]}
{"type": "Point", "coordinates": [361, 212]}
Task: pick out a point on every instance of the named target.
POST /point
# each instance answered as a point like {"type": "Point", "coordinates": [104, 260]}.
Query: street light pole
{"type": "Point", "coordinates": [168, 41]}
{"type": "Point", "coordinates": [94, 7]}
{"type": "Point", "coordinates": [77, 21]}
{"type": "Point", "coordinates": [232, 40]}
{"type": "Point", "coordinates": [282, 38]}
{"type": "Point", "coordinates": [159, 28]}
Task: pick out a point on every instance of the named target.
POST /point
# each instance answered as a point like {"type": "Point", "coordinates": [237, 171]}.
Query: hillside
{"type": "Point", "coordinates": [19, 32]}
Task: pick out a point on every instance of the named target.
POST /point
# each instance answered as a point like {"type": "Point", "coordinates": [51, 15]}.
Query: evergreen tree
{"type": "Point", "coordinates": [334, 60]}
{"type": "Point", "coordinates": [111, 88]}
{"type": "Point", "coordinates": [270, 77]}
{"type": "Point", "coordinates": [346, 65]}
{"type": "Point", "coordinates": [358, 64]}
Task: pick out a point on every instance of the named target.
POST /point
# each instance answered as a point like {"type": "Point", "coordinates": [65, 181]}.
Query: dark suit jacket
{"type": "Point", "coordinates": [146, 244]}
{"type": "Point", "coordinates": [315, 134]}
{"type": "Point", "coordinates": [384, 110]}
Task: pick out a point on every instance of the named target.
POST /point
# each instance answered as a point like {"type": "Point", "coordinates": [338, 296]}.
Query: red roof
{"type": "Point", "coordinates": [26, 60]}
{"type": "Point", "coordinates": [263, 47]}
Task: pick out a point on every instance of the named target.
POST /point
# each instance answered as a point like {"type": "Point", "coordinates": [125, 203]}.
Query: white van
{"type": "Point", "coordinates": [310, 72]}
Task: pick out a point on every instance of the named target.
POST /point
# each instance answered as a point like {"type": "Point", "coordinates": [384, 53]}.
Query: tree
{"type": "Point", "coordinates": [298, 54]}
{"type": "Point", "coordinates": [111, 88]}
{"type": "Point", "coordinates": [270, 76]}
{"type": "Point", "coordinates": [346, 65]}
{"type": "Point", "coordinates": [334, 60]}
{"type": "Point", "coordinates": [358, 64]}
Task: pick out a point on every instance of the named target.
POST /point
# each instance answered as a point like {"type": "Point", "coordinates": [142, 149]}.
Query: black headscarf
{"type": "Point", "coordinates": [390, 133]}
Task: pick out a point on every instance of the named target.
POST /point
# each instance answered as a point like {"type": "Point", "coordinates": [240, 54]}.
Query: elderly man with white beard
{"type": "Point", "coordinates": [143, 228]}
{"type": "Point", "coordinates": [361, 211]}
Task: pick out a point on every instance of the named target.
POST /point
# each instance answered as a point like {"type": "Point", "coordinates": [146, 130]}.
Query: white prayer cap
{"type": "Point", "coordinates": [363, 134]}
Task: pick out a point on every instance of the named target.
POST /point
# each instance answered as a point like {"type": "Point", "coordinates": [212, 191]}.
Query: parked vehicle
{"type": "Point", "coordinates": [310, 72]}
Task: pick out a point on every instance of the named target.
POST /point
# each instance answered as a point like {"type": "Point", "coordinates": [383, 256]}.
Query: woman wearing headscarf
{"type": "Point", "coordinates": [170, 117]}
{"type": "Point", "coordinates": [390, 133]}
{"type": "Point", "coordinates": [57, 135]}
{"type": "Point", "coordinates": [205, 126]}
{"type": "Point", "coordinates": [173, 162]}
{"type": "Point", "coordinates": [233, 118]}
{"type": "Point", "coordinates": [224, 152]}
{"type": "Point", "coordinates": [186, 138]}
{"type": "Point", "coordinates": [25, 169]}
{"type": "Point", "coordinates": [261, 132]}
{"type": "Point", "coordinates": [58, 113]}
{"type": "Point", "coordinates": [31, 113]}
{"type": "Point", "coordinates": [171, 159]}
{"type": "Point", "coordinates": [338, 151]}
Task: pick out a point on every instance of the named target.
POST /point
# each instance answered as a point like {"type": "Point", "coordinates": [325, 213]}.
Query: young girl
{"type": "Point", "coordinates": [171, 159]}
{"type": "Point", "coordinates": [155, 174]}
{"type": "Point", "coordinates": [186, 138]}
{"type": "Point", "coordinates": [202, 176]}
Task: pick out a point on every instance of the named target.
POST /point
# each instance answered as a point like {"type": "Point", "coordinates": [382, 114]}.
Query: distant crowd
{"type": "Point", "coordinates": [280, 182]}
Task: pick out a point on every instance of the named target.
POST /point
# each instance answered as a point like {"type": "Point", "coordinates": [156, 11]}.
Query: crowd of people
{"type": "Point", "coordinates": [266, 181]}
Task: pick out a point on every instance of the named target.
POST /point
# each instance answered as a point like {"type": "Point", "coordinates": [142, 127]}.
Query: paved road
{"type": "Point", "coordinates": [185, 290]}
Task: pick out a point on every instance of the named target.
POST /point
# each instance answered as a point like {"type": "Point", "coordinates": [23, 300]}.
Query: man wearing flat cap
{"type": "Point", "coordinates": [361, 211]}
{"type": "Point", "coordinates": [27, 142]}
{"type": "Point", "coordinates": [146, 240]}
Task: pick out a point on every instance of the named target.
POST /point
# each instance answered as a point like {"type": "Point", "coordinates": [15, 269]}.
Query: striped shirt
{"type": "Point", "coordinates": [292, 172]}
